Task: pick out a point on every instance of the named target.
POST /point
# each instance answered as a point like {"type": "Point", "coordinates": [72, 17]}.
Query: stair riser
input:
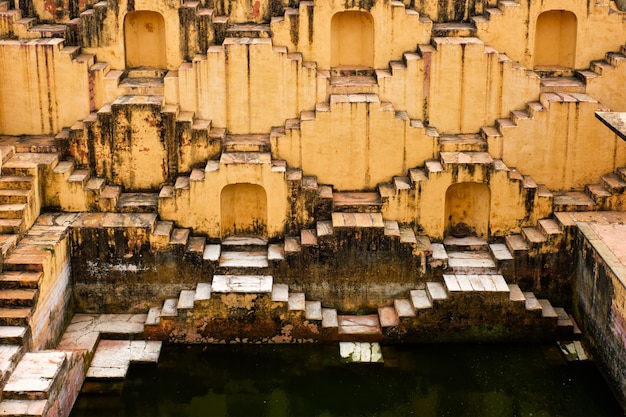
{"type": "Point", "coordinates": [18, 302]}
{"type": "Point", "coordinates": [371, 208]}
{"type": "Point", "coordinates": [13, 199]}
{"type": "Point", "coordinates": [9, 229]}
{"type": "Point", "coordinates": [11, 214]}
{"type": "Point", "coordinates": [15, 185]}
{"type": "Point", "coordinates": [247, 147]}
{"type": "Point", "coordinates": [13, 321]}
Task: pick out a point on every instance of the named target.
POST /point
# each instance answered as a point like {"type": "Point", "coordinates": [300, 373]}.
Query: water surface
{"type": "Point", "coordinates": [310, 380]}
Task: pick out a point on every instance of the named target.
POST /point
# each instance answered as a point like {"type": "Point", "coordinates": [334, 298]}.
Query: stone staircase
{"type": "Point", "coordinates": [197, 315]}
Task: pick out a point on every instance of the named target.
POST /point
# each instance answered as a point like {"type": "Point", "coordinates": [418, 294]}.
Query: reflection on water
{"type": "Point", "coordinates": [310, 380]}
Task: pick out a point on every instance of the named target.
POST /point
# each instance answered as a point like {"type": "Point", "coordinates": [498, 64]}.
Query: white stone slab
{"type": "Point", "coordinates": [212, 252]}
{"type": "Point", "coordinates": [313, 310]}
{"type": "Point", "coordinates": [451, 283]}
{"type": "Point", "coordinates": [203, 291]}
{"type": "Point", "coordinates": [154, 316]}
{"type": "Point", "coordinates": [501, 252]}
{"type": "Point", "coordinates": [243, 260]}
{"type": "Point", "coordinates": [360, 352]}
{"type": "Point", "coordinates": [280, 293]}
{"type": "Point", "coordinates": [329, 317]}
{"type": "Point", "coordinates": [487, 282]}
{"type": "Point", "coordinates": [297, 302]}
{"type": "Point", "coordinates": [145, 351]}
{"type": "Point", "coordinates": [437, 291]}
{"type": "Point", "coordinates": [275, 252]}
{"type": "Point", "coordinates": [464, 282]}
{"type": "Point", "coordinates": [531, 301]}
{"type": "Point", "coordinates": [477, 284]}
{"type": "Point", "coordinates": [169, 308]}
{"type": "Point", "coordinates": [404, 308]}
{"type": "Point", "coordinates": [186, 299]}
{"type": "Point", "coordinates": [242, 283]}
{"type": "Point", "coordinates": [515, 293]}
{"type": "Point", "coordinates": [500, 283]}
{"type": "Point", "coordinates": [439, 252]}
{"type": "Point", "coordinates": [420, 299]}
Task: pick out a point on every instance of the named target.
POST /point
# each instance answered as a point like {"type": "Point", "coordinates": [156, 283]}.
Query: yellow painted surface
{"type": "Point", "coordinates": [144, 39]}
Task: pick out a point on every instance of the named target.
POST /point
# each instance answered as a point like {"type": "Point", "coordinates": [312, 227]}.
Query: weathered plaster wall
{"type": "Point", "coordinates": [600, 300]}
{"type": "Point", "coordinates": [514, 31]}
{"type": "Point", "coordinates": [35, 76]}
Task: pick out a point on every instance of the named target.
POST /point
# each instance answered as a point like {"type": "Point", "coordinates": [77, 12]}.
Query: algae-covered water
{"type": "Point", "coordinates": [310, 380]}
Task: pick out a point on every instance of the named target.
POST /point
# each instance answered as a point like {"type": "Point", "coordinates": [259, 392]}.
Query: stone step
{"type": "Point", "coordinates": [353, 84]}
{"type": "Point", "coordinates": [38, 376]}
{"type": "Point", "coordinates": [532, 304]}
{"type": "Point", "coordinates": [275, 252]}
{"type": "Point", "coordinates": [20, 279]}
{"type": "Point", "coordinates": [439, 257]}
{"type": "Point", "coordinates": [466, 158]}
{"type": "Point", "coordinates": [15, 196]}
{"type": "Point", "coordinates": [248, 30]}
{"type": "Point", "coordinates": [565, 323]}
{"type": "Point", "coordinates": [360, 352]}
{"type": "Point", "coordinates": [359, 328]}
{"type": "Point", "coordinates": [469, 243]}
{"type": "Point", "coordinates": [329, 318]}
{"type": "Point", "coordinates": [313, 310]}
{"type": "Point", "coordinates": [9, 357]}
{"type": "Point", "coordinates": [242, 284]}
{"type": "Point", "coordinates": [404, 308]}
{"type": "Point", "coordinates": [7, 243]}
{"type": "Point", "coordinates": [18, 298]}
{"type": "Point", "coordinates": [573, 201]}
{"type": "Point", "coordinates": [195, 245]}
{"type": "Point", "coordinates": [614, 183]}
{"type": "Point", "coordinates": [244, 243]}
{"type": "Point", "coordinates": [212, 252]}
{"type": "Point", "coordinates": [14, 316]}
{"type": "Point", "coordinates": [247, 143]}
{"type": "Point", "coordinates": [561, 84]}
{"type": "Point", "coordinates": [186, 300]}
{"type": "Point", "coordinates": [471, 262]}
{"type": "Point", "coordinates": [516, 244]}
{"type": "Point", "coordinates": [501, 252]}
{"type": "Point", "coordinates": [534, 235]}
{"type": "Point", "coordinates": [113, 357]}
{"type": "Point", "coordinates": [296, 302]}
{"type": "Point", "coordinates": [356, 202]}
{"type": "Point", "coordinates": [462, 143]}
{"type": "Point", "coordinates": [280, 293]}
{"type": "Point", "coordinates": [247, 259]}
{"type": "Point", "coordinates": [453, 29]}
{"type": "Point", "coordinates": [357, 220]}
{"type": "Point", "coordinates": [245, 158]}
{"type": "Point", "coordinates": [27, 164]}
{"type": "Point", "coordinates": [160, 237]}
{"type": "Point", "coordinates": [598, 193]}
{"type": "Point", "coordinates": [516, 295]}
{"type": "Point", "coordinates": [388, 316]}
{"type": "Point", "coordinates": [154, 317]}
{"type": "Point", "coordinates": [308, 237]}
{"type": "Point", "coordinates": [392, 229]}
{"type": "Point", "coordinates": [16, 182]}
{"type": "Point", "coordinates": [23, 408]}
{"type": "Point", "coordinates": [179, 237]}
{"type": "Point", "coordinates": [550, 227]}
{"type": "Point", "coordinates": [436, 292]}
{"type": "Point", "coordinates": [420, 299]}
{"type": "Point", "coordinates": [12, 211]}
{"type": "Point", "coordinates": [137, 203]}
{"type": "Point", "coordinates": [547, 310]}
{"type": "Point", "coordinates": [13, 335]}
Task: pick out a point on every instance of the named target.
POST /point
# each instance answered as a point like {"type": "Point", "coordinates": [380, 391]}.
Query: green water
{"type": "Point", "coordinates": [310, 380]}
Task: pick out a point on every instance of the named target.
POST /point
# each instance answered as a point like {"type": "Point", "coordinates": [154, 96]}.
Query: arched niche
{"type": "Point", "coordinates": [555, 39]}
{"type": "Point", "coordinates": [352, 39]}
{"type": "Point", "coordinates": [243, 210]}
{"type": "Point", "coordinates": [467, 210]}
{"type": "Point", "coordinates": [144, 39]}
